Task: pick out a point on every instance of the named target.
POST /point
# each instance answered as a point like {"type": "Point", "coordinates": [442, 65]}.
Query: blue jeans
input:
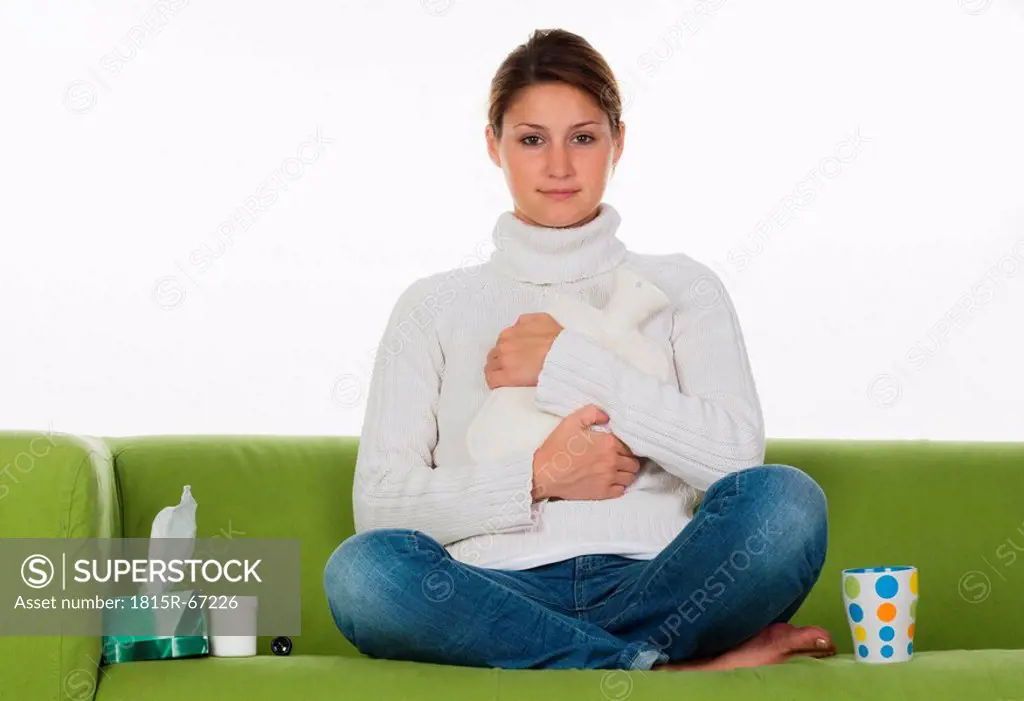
{"type": "Point", "coordinates": [748, 559]}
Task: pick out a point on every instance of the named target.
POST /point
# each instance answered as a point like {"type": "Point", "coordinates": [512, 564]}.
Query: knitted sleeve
{"type": "Point", "coordinates": [396, 482]}
{"type": "Point", "coordinates": [700, 428]}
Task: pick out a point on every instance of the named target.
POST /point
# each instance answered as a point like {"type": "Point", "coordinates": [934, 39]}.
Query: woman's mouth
{"type": "Point", "coordinates": [559, 194]}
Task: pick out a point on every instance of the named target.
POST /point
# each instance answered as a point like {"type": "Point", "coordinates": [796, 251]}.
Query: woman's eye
{"type": "Point", "coordinates": [526, 139]}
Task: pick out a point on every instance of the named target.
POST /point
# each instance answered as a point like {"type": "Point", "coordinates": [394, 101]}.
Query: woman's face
{"type": "Point", "coordinates": [556, 137]}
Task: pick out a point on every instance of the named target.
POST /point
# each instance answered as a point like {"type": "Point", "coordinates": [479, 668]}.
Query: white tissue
{"type": "Point", "coordinates": [177, 523]}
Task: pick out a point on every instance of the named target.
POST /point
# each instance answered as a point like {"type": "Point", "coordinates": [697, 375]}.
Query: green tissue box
{"type": "Point", "coordinates": [187, 626]}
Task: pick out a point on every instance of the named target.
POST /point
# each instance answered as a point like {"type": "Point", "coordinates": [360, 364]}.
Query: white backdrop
{"type": "Point", "coordinates": [854, 172]}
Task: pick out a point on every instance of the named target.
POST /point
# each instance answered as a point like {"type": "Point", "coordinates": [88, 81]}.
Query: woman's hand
{"type": "Point", "coordinates": [518, 356]}
{"type": "Point", "coordinates": [577, 462]}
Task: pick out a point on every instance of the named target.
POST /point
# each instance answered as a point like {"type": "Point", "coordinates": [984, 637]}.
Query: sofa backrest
{"type": "Point", "coordinates": [951, 509]}
{"type": "Point", "coordinates": [251, 487]}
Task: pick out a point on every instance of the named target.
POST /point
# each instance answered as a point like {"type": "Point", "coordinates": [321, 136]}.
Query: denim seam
{"type": "Point", "coordinates": [548, 613]}
{"type": "Point", "coordinates": [577, 588]}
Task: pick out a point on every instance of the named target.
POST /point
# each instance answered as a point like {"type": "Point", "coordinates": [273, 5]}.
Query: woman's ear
{"type": "Point", "coordinates": [492, 145]}
{"type": "Point", "coordinates": [620, 143]}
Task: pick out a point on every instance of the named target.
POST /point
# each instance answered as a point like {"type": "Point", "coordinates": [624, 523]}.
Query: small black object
{"type": "Point", "coordinates": [281, 646]}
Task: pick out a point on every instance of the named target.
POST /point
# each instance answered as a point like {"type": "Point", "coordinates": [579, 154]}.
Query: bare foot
{"type": "Point", "coordinates": [777, 643]}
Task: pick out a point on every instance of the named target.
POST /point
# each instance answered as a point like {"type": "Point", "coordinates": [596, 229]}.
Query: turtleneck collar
{"type": "Point", "coordinates": [545, 255]}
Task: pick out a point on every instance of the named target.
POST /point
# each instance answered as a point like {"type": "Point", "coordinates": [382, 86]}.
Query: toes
{"type": "Point", "coordinates": [810, 639]}
{"type": "Point", "coordinates": [820, 634]}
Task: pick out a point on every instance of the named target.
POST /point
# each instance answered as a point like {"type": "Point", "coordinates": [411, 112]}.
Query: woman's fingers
{"type": "Point", "coordinates": [624, 478]}
{"type": "Point", "coordinates": [492, 365]}
{"type": "Point", "coordinates": [625, 471]}
{"type": "Point", "coordinates": [627, 463]}
{"type": "Point", "coordinates": [621, 448]}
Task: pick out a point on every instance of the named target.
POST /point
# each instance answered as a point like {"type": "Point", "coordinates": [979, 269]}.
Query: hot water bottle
{"type": "Point", "coordinates": [509, 423]}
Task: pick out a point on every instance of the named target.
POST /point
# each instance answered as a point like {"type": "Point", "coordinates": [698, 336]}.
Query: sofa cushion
{"type": "Point", "coordinates": [979, 675]}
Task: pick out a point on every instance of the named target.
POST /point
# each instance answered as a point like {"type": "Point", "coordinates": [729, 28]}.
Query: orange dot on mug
{"type": "Point", "coordinates": [910, 631]}
{"type": "Point", "coordinates": [886, 612]}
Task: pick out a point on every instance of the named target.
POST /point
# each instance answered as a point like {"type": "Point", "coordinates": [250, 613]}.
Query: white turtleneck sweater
{"type": "Point", "coordinates": [413, 469]}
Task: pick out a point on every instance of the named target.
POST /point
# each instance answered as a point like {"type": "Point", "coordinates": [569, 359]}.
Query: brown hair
{"type": "Point", "coordinates": [554, 56]}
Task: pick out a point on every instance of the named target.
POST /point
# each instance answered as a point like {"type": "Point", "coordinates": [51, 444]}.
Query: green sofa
{"type": "Point", "coordinates": [953, 509]}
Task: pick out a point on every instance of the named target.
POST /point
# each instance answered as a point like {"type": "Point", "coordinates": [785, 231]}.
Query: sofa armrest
{"type": "Point", "coordinates": [54, 485]}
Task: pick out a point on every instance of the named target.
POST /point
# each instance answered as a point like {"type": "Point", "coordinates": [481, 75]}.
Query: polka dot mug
{"type": "Point", "coordinates": [881, 607]}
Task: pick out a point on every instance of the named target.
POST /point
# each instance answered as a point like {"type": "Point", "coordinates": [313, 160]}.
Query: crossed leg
{"type": "Point", "coordinates": [720, 595]}
{"type": "Point", "coordinates": [396, 593]}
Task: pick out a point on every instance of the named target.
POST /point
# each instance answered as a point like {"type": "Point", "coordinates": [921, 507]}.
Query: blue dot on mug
{"type": "Point", "coordinates": [887, 586]}
{"type": "Point", "coordinates": [910, 648]}
{"type": "Point", "coordinates": [856, 613]}
{"type": "Point", "coordinates": [887, 651]}
{"type": "Point", "coordinates": [862, 650]}
{"type": "Point", "coordinates": [887, 633]}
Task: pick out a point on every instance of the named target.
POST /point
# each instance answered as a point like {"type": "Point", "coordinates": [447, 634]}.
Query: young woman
{"type": "Point", "coordinates": [586, 552]}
